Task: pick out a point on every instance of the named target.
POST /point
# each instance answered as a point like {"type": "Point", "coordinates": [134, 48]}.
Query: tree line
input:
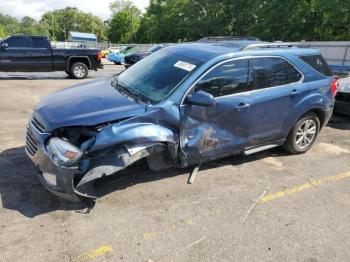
{"type": "Point", "coordinates": [55, 24]}
{"type": "Point", "coordinates": [188, 20]}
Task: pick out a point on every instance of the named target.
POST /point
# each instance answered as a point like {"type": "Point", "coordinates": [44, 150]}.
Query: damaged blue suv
{"type": "Point", "coordinates": [181, 106]}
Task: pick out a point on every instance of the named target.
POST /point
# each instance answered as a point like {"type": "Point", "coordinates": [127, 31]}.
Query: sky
{"type": "Point", "coordinates": [35, 8]}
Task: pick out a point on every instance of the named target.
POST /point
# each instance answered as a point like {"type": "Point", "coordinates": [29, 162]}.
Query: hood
{"type": "Point", "coordinates": [89, 103]}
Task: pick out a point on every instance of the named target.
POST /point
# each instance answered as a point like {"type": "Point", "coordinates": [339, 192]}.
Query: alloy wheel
{"type": "Point", "coordinates": [79, 71]}
{"type": "Point", "coordinates": [306, 133]}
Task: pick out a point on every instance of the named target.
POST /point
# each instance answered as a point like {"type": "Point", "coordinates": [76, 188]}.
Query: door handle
{"type": "Point", "coordinates": [295, 92]}
{"type": "Point", "coordinates": [242, 106]}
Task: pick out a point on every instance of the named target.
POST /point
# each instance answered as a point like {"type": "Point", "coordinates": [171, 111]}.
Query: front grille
{"type": "Point", "coordinates": [31, 144]}
{"type": "Point", "coordinates": [37, 125]}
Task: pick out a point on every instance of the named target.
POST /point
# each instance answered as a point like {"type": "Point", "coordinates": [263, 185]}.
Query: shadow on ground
{"type": "Point", "coordinates": [339, 121]}
{"type": "Point", "coordinates": [20, 189]}
{"type": "Point", "coordinates": [137, 174]}
{"type": "Point", "coordinates": [34, 77]}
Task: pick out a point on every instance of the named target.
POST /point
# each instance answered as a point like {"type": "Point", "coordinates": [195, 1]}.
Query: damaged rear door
{"type": "Point", "coordinates": [222, 129]}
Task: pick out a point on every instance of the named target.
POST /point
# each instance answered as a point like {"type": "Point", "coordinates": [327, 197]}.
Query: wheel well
{"type": "Point", "coordinates": [320, 114]}
{"type": "Point", "coordinates": [83, 60]}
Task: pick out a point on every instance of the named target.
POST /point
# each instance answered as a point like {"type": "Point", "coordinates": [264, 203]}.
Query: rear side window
{"type": "Point", "coordinates": [226, 79]}
{"type": "Point", "coordinates": [22, 42]}
{"type": "Point", "coordinates": [40, 42]}
{"type": "Point", "coordinates": [272, 71]}
{"type": "Point", "coordinates": [318, 63]}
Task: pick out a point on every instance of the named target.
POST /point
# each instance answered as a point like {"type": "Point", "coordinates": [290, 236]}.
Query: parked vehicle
{"type": "Point", "coordinates": [105, 52]}
{"type": "Point", "coordinates": [340, 69]}
{"type": "Point", "coordinates": [20, 53]}
{"type": "Point", "coordinates": [342, 100]}
{"type": "Point", "coordinates": [181, 106]}
{"type": "Point", "coordinates": [136, 56]}
{"type": "Point", "coordinates": [118, 58]}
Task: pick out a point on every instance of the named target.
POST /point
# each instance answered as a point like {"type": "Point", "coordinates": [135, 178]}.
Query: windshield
{"type": "Point", "coordinates": [155, 76]}
{"type": "Point", "coordinates": [127, 50]}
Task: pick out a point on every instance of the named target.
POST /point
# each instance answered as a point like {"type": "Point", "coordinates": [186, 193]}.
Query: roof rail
{"type": "Point", "coordinates": [227, 38]}
{"type": "Point", "coordinates": [274, 45]}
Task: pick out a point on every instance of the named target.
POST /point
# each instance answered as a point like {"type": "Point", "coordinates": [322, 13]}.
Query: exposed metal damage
{"type": "Point", "coordinates": [112, 147]}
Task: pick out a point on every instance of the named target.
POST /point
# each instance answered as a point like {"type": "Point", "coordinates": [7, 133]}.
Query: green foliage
{"type": "Point", "coordinates": [303, 19]}
{"type": "Point", "coordinates": [9, 24]}
{"type": "Point", "coordinates": [60, 22]}
{"type": "Point", "coordinates": [120, 5]}
{"type": "Point", "coordinates": [177, 20]}
{"type": "Point", "coordinates": [27, 25]}
{"type": "Point", "coordinates": [55, 24]}
{"type": "Point", "coordinates": [188, 20]}
{"type": "Point", "coordinates": [2, 31]}
{"type": "Point", "coordinates": [124, 24]}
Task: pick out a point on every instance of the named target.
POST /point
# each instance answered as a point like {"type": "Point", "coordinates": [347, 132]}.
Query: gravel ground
{"type": "Point", "coordinates": [270, 206]}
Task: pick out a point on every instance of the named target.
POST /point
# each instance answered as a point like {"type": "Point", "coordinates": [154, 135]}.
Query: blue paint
{"type": "Point", "coordinates": [197, 132]}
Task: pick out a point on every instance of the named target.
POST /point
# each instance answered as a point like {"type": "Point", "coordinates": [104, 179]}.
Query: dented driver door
{"type": "Point", "coordinates": [222, 129]}
{"type": "Point", "coordinates": [208, 133]}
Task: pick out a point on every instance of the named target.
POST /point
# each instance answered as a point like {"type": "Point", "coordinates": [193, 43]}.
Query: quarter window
{"type": "Point", "coordinates": [226, 79]}
{"type": "Point", "coordinates": [271, 71]}
{"type": "Point", "coordinates": [318, 63]}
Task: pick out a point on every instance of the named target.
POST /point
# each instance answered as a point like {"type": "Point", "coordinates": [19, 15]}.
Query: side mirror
{"type": "Point", "coordinates": [201, 98]}
{"type": "Point", "coordinates": [4, 45]}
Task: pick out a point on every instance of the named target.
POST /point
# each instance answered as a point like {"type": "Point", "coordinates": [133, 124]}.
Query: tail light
{"type": "Point", "coordinates": [334, 87]}
{"type": "Point", "coordinates": [99, 56]}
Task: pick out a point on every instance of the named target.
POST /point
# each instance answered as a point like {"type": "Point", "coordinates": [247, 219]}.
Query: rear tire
{"type": "Point", "coordinates": [303, 134]}
{"type": "Point", "coordinates": [79, 70]}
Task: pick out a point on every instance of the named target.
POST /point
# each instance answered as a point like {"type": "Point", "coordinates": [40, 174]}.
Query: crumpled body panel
{"type": "Point", "coordinates": [121, 144]}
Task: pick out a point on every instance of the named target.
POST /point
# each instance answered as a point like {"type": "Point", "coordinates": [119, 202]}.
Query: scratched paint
{"type": "Point", "coordinates": [101, 251]}
{"type": "Point", "coordinates": [307, 185]}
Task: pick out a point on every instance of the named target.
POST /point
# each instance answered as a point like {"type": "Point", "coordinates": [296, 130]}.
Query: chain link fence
{"type": "Point", "coordinates": [100, 46]}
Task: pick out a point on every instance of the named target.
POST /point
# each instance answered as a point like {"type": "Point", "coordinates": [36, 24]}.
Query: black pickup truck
{"type": "Point", "coordinates": [20, 53]}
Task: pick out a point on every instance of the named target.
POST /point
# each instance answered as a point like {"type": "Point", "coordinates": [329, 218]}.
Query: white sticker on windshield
{"type": "Point", "coordinates": [185, 66]}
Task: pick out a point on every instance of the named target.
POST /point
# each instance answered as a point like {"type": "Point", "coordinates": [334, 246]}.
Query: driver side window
{"type": "Point", "coordinates": [19, 42]}
{"type": "Point", "coordinates": [226, 79]}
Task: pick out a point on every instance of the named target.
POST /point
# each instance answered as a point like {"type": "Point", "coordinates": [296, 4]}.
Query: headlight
{"type": "Point", "coordinates": [63, 153]}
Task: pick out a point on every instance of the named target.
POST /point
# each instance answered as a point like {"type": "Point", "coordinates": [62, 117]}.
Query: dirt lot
{"type": "Point", "coordinates": [270, 206]}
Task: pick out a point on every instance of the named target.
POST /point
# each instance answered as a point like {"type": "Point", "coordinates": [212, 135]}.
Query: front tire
{"type": "Point", "coordinates": [303, 134]}
{"type": "Point", "coordinates": [79, 70]}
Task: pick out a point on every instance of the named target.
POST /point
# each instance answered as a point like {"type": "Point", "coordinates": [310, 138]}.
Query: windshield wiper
{"type": "Point", "coordinates": [126, 91]}
{"type": "Point", "coordinates": [138, 96]}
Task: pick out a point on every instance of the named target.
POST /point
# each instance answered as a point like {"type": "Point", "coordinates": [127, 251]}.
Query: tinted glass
{"type": "Point", "coordinates": [272, 71]}
{"type": "Point", "coordinates": [19, 42]}
{"type": "Point", "coordinates": [226, 79]}
{"type": "Point", "coordinates": [318, 63]}
{"type": "Point", "coordinates": [155, 76]}
{"type": "Point", "coordinates": [40, 42]}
